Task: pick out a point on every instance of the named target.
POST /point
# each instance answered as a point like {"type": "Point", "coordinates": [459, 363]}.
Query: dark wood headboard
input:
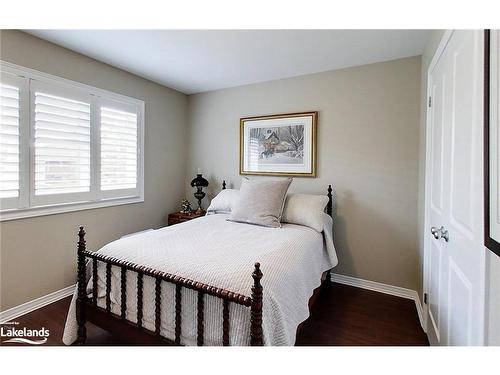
{"type": "Point", "coordinates": [329, 206]}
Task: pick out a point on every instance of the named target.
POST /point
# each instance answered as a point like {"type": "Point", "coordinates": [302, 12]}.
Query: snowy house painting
{"type": "Point", "coordinates": [279, 145]}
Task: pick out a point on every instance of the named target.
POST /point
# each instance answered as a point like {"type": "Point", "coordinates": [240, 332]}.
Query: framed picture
{"type": "Point", "coordinates": [279, 145]}
{"type": "Point", "coordinates": [491, 139]}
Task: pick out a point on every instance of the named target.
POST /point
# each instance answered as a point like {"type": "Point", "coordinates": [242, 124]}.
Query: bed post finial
{"type": "Point", "coordinates": [329, 207]}
{"type": "Point", "coordinates": [82, 278]}
{"type": "Point", "coordinates": [256, 338]}
{"type": "Point", "coordinates": [81, 239]}
{"type": "Point", "coordinates": [223, 184]}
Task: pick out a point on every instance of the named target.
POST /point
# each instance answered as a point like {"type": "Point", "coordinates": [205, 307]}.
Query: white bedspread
{"type": "Point", "coordinates": [221, 253]}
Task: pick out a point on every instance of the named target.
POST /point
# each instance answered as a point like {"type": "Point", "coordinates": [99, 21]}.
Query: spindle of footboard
{"type": "Point", "coordinates": [108, 287]}
{"type": "Point", "coordinates": [201, 306]}
{"type": "Point", "coordinates": [123, 292]}
{"type": "Point", "coordinates": [256, 337]}
{"type": "Point", "coordinates": [158, 306]}
{"type": "Point", "coordinates": [81, 291]}
{"type": "Point", "coordinates": [178, 307]}
{"type": "Point", "coordinates": [94, 281]}
{"type": "Point", "coordinates": [139, 298]}
{"type": "Point", "coordinates": [225, 323]}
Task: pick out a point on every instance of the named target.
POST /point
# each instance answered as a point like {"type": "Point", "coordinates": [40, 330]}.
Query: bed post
{"type": "Point", "coordinates": [329, 211]}
{"type": "Point", "coordinates": [223, 184]}
{"type": "Point", "coordinates": [82, 278]}
{"type": "Point", "coordinates": [329, 206]}
{"type": "Point", "coordinates": [256, 338]}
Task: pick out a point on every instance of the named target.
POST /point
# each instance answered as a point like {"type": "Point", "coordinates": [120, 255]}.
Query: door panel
{"type": "Point", "coordinates": [460, 298]}
{"type": "Point", "coordinates": [437, 147]}
{"type": "Point", "coordinates": [462, 139]}
{"type": "Point", "coordinates": [438, 202]}
{"type": "Point", "coordinates": [434, 287]}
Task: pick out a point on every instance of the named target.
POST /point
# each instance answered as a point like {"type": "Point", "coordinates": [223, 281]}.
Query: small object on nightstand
{"type": "Point", "coordinates": [199, 183]}
{"type": "Point", "coordinates": [180, 217]}
{"type": "Point", "coordinates": [185, 206]}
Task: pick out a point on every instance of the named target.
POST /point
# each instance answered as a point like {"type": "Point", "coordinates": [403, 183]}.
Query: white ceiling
{"type": "Point", "coordinates": [193, 61]}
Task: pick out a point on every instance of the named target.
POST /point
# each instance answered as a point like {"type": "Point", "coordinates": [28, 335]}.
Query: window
{"type": "Point", "coordinates": [66, 146]}
{"type": "Point", "coordinates": [118, 149]}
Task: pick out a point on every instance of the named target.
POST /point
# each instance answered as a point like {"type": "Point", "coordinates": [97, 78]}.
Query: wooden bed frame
{"type": "Point", "coordinates": [87, 309]}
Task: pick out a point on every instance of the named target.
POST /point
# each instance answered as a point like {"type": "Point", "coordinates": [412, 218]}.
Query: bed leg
{"type": "Point", "coordinates": [256, 338]}
{"type": "Point", "coordinates": [329, 276]}
{"type": "Point", "coordinates": [80, 301]}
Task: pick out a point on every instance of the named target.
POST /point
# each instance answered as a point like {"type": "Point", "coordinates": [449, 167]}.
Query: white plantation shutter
{"type": "Point", "coordinates": [66, 146]}
{"type": "Point", "coordinates": [9, 141]}
{"type": "Point", "coordinates": [119, 149]}
{"type": "Point", "coordinates": [62, 144]}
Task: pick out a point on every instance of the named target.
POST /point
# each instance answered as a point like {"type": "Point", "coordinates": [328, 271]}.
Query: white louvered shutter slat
{"type": "Point", "coordinates": [62, 145]}
{"type": "Point", "coordinates": [9, 141]}
{"type": "Point", "coordinates": [118, 149]}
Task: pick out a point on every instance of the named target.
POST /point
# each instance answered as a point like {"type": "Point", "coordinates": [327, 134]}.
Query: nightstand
{"type": "Point", "coordinates": [180, 217]}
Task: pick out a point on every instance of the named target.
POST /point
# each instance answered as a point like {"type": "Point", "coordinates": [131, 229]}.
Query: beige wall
{"type": "Point", "coordinates": [37, 255]}
{"type": "Point", "coordinates": [368, 149]}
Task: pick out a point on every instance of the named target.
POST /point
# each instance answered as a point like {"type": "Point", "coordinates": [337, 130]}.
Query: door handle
{"type": "Point", "coordinates": [440, 233]}
{"type": "Point", "coordinates": [444, 234]}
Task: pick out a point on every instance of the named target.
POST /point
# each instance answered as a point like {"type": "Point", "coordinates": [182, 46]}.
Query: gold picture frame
{"type": "Point", "coordinates": [279, 145]}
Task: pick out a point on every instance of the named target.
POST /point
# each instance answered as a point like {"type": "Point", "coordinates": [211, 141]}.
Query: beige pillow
{"type": "Point", "coordinates": [305, 209]}
{"type": "Point", "coordinates": [260, 202]}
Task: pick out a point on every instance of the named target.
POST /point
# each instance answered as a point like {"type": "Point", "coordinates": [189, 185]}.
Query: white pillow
{"type": "Point", "coordinates": [305, 209]}
{"type": "Point", "coordinates": [224, 202]}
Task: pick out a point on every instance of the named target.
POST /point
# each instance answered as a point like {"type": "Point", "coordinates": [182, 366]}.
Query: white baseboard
{"type": "Point", "coordinates": [15, 312]}
{"type": "Point", "coordinates": [25, 308]}
{"type": "Point", "coordinates": [382, 288]}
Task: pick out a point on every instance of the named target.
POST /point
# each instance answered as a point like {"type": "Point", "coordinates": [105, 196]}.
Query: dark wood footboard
{"type": "Point", "coordinates": [88, 310]}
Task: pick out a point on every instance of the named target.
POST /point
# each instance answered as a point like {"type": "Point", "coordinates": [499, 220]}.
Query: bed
{"type": "Point", "coordinates": [150, 287]}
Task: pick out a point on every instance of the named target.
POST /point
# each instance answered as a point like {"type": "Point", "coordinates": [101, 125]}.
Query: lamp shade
{"type": "Point", "coordinates": [199, 181]}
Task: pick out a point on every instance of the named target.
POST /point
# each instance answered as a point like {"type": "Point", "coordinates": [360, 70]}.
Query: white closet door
{"type": "Point", "coordinates": [455, 263]}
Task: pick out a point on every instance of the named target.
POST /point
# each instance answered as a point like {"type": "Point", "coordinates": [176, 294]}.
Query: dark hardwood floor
{"type": "Point", "coordinates": [343, 315]}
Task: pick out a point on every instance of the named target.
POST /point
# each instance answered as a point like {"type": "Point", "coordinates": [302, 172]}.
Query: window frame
{"type": "Point", "coordinates": [29, 205]}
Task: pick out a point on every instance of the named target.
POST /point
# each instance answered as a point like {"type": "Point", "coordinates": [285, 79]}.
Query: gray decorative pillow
{"type": "Point", "coordinates": [261, 202]}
